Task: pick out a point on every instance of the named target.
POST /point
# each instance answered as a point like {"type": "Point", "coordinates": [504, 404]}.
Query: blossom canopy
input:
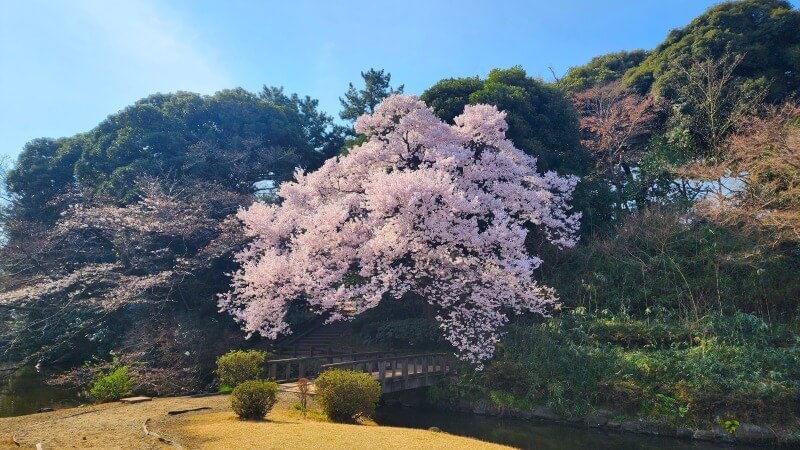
{"type": "Point", "coordinates": [420, 207]}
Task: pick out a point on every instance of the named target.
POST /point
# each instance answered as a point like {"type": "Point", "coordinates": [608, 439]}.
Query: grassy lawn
{"type": "Point", "coordinates": [114, 425]}
{"type": "Point", "coordinates": [287, 429]}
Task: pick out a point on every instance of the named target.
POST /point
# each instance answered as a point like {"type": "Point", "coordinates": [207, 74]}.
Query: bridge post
{"type": "Point", "coordinates": [382, 374]}
{"type": "Point", "coordinates": [405, 362]}
{"type": "Point", "coordinates": [425, 370]}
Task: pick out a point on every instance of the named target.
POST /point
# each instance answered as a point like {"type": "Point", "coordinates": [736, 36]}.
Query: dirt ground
{"type": "Point", "coordinates": [115, 425]}
{"type": "Point", "coordinates": [111, 425]}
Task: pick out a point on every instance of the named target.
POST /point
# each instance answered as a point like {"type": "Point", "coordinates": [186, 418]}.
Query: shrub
{"type": "Point", "coordinates": [253, 399]}
{"type": "Point", "coordinates": [112, 385]}
{"type": "Point", "coordinates": [468, 386]}
{"type": "Point", "coordinates": [410, 333]}
{"type": "Point", "coordinates": [345, 395]}
{"type": "Point", "coordinates": [546, 365]}
{"type": "Point", "coordinates": [238, 366]}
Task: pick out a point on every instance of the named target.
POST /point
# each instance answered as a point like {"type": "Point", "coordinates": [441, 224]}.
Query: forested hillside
{"type": "Point", "coordinates": [108, 230]}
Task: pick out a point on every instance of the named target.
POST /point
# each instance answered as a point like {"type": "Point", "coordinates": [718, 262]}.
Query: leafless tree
{"type": "Point", "coordinates": [66, 286]}
{"type": "Point", "coordinates": [715, 104]}
{"type": "Point", "coordinates": [762, 164]}
{"type": "Point", "coordinates": [614, 122]}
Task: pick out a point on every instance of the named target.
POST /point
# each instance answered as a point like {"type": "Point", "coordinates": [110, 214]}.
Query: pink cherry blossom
{"type": "Point", "coordinates": [441, 211]}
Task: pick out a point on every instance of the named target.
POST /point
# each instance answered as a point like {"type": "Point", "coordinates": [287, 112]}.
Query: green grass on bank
{"type": "Point", "coordinates": [720, 369]}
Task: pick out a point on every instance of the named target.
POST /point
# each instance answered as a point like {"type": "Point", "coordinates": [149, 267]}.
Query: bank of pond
{"type": "Point", "coordinates": [28, 393]}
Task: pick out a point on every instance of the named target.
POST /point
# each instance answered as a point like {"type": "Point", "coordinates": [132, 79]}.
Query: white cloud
{"type": "Point", "coordinates": [150, 47]}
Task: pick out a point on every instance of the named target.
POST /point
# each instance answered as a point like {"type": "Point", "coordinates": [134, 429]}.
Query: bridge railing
{"type": "Point", "coordinates": [400, 369]}
{"type": "Point", "coordinates": [292, 369]}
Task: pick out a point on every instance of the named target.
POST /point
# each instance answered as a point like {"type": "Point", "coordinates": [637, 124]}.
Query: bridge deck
{"type": "Point", "coordinates": [395, 373]}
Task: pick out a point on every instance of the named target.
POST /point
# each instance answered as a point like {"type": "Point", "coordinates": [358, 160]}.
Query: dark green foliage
{"type": "Point", "coordinates": [196, 159]}
{"type": "Point", "coordinates": [177, 135]}
{"type": "Point", "coordinates": [449, 96]}
{"type": "Point", "coordinates": [601, 70]}
{"type": "Point", "coordinates": [410, 333]}
{"type": "Point", "coordinates": [671, 317]}
{"type": "Point", "coordinates": [747, 380]}
{"type": "Point", "coordinates": [111, 386]}
{"type": "Point", "coordinates": [238, 366]}
{"type": "Point", "coordinates": [542, 366]}
{"type": "Point", "coordinates": [764, 31]}
{"type": "Point", "coordinates": [656, 184]}
{"type": "Point", "coordinates": [318, 127]}
{"type": "Point", "coordinates": [689, 374]}
{"type": "Point", "coordinates": [399, 324]}
{"type": "Point", "coordinates": [541, 120]}
{"type": "Point", "coordinates": [346, 395]}
{"type": "Point", "coordinates": [357, 102]}
{"type": "Point", "coordinates": [368, 323]}
{"type": "Point", "coordinates": [632, 333]}
{"type": "Point", "coordinates": [407, 307]}
{"type": "Point", "coordinates": [253, 399]}
{"type": "Point", "coordinates": [43, 169]}
{"type": "Point", "coordinates": [662, 262]}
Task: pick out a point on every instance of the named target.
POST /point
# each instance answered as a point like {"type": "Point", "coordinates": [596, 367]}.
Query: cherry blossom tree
{"type": "Point", "coordinates": [421, 207]}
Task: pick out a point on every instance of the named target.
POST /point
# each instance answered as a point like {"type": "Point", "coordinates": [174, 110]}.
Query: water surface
{"type": "Point", "coordinates": [26, 392]}
{"type": "Point", "coordinates": [535, 435]}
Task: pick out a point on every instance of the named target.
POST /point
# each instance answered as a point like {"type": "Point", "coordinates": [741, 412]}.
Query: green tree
{"type": "Point", "coordinates": [764, 32]}
{"type": "Point", "coordinates": [449, 96]}
{"type": "Point", "coordinates": [43, 170]}
{"type": "Point", "coordinates": [357, 102]}
{"type": "Point", "coordinates": [320, 131]}
{"type": "Point", "coordinates": [712, 104]}
{"type": "Point", "coordinates": [541, 120]}
{"type": "Point", "coordinates": [171, 136]}
{"type": "Point", "coordinates": [601, 70]}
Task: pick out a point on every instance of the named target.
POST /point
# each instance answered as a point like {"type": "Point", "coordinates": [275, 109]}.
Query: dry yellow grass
{"type": "Point", "coordinates": [115, 425]}
{"type": "Point", "coordinates": [285, 429]}
{"type": "Point", "coordinates": [107, 426]}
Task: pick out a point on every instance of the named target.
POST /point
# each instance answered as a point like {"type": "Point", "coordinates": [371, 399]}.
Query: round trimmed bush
{"type": "Point", "coordinates": [238, 366]}
{"type": "Point", "coordinates": [254, 399]}
{"type": "Point", "coordinates": [345, 395]}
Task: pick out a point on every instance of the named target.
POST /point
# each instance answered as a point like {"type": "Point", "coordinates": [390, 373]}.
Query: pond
{"type": "Point", "coordinates": [26, 392]}
{"type": "Point", "coordinates": [533, 435]}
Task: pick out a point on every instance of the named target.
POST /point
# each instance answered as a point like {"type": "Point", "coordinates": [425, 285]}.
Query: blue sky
{"type": "Point", "coordinates": [66, 65]}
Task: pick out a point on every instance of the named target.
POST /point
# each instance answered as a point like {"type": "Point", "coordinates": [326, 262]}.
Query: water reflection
{"type": "Point", "coordinates": [26, 392]}
{"type": "Point", "coordinates": [533, 435]}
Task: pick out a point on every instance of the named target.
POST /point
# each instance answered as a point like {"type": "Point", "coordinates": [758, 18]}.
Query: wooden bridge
{"type": "Point", "coordinates": [394, 372]}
